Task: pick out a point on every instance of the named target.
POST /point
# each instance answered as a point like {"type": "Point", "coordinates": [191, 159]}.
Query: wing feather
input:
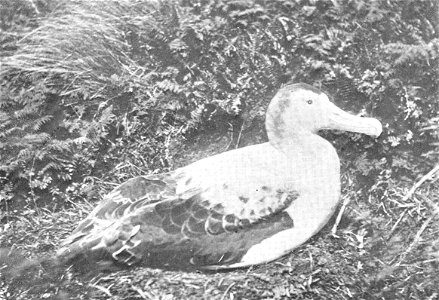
{"type": "Point", "coordinates": [145, 220]}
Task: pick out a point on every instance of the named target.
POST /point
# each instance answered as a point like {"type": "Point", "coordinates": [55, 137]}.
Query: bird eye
{"type": "Point", "coordinates": [309, 101]}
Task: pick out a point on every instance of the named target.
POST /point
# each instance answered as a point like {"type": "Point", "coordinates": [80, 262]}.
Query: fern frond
{"type": "Point", "coordinates": [36, 125]}
{"type": "Point", "coordinates": [51, 165]}
{"type": "Point", "coordinates": [169, 86]}
{"type": "Point", "coordinates": [81, 140]}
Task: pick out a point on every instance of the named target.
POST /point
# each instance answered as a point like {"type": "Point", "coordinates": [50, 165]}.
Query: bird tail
{"type": "Point", "coordinates": [22, 276]}
{"type": "Point", "coordinates": [14, 266]}
{"type": "Point", "coordinates": [18, 274]}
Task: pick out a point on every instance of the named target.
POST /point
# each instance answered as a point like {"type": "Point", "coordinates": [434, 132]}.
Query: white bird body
{"type": "Point", "coordinates": [264, 165]}
{"type": "Point", "coordinates": [239, 208]}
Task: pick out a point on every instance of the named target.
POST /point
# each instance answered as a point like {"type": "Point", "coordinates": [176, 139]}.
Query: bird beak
{"type": "Point", "coordinates": [341, 120]}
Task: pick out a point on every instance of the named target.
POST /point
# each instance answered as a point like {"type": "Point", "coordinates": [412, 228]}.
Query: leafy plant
{"type": "Point", "coordinates": [161, 73]}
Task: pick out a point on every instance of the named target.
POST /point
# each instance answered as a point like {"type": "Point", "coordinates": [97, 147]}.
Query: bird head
{"type": "Point", "coordinates": [302, 108]}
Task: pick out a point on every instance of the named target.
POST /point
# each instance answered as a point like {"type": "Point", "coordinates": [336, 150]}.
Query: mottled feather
{"type": "Point", "coordinates": [146, 221]}
{"type": "Point", "coordinates": [239, 208]}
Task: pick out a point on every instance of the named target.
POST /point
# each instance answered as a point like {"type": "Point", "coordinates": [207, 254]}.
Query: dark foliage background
{"type": "Point", "coordinates": [95, 92]}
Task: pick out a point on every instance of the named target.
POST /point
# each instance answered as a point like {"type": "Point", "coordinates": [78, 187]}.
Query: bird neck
{"type": "Point", "coordinates": [297, 141]}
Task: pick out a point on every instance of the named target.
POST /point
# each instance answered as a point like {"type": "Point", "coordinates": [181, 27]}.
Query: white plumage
{"type": "Point", "coordinates": [239, 208]}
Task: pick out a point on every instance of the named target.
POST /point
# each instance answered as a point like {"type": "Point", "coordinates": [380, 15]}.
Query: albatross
{"type": "Point", "coordinates": [240, 208]}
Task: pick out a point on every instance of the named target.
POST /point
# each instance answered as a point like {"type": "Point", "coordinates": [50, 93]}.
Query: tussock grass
{"type": "Point", "coordinates": [81, 45]}
{"type": "Point", "coordinates": [384, 247]}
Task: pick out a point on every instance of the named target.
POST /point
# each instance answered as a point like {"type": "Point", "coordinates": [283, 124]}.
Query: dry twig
{"type": "Point", "coordinates": [415, 240]}
{"type": "Point", "coordinates": [397, 223]}
{"type": "Point", "coordinates": [426, 177]}
{"type": "Point", "coordinates": [227, 291]}
{"type": "Point", "coordinates": [102, 289]}
{"type": "Point", "coordinates": [346, 201]}
{"type": "Point", "coordinates": [430, 203]}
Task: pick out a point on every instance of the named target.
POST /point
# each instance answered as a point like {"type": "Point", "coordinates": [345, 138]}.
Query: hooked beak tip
{"type": "Point", "coordinates": [378, 127]}
{"type": "Point", "coordinates": [342, 120]}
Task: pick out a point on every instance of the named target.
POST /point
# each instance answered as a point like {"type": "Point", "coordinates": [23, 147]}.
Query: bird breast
{"type": "Point", "coordinates": [250, 170]}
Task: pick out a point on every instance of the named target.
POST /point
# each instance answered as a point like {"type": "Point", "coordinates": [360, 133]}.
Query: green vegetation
{"type": "Point", "coordinates": [95, 92]}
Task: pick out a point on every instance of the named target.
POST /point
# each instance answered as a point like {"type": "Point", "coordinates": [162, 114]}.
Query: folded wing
{"type": "Point", "coordinates": [146, 221]}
